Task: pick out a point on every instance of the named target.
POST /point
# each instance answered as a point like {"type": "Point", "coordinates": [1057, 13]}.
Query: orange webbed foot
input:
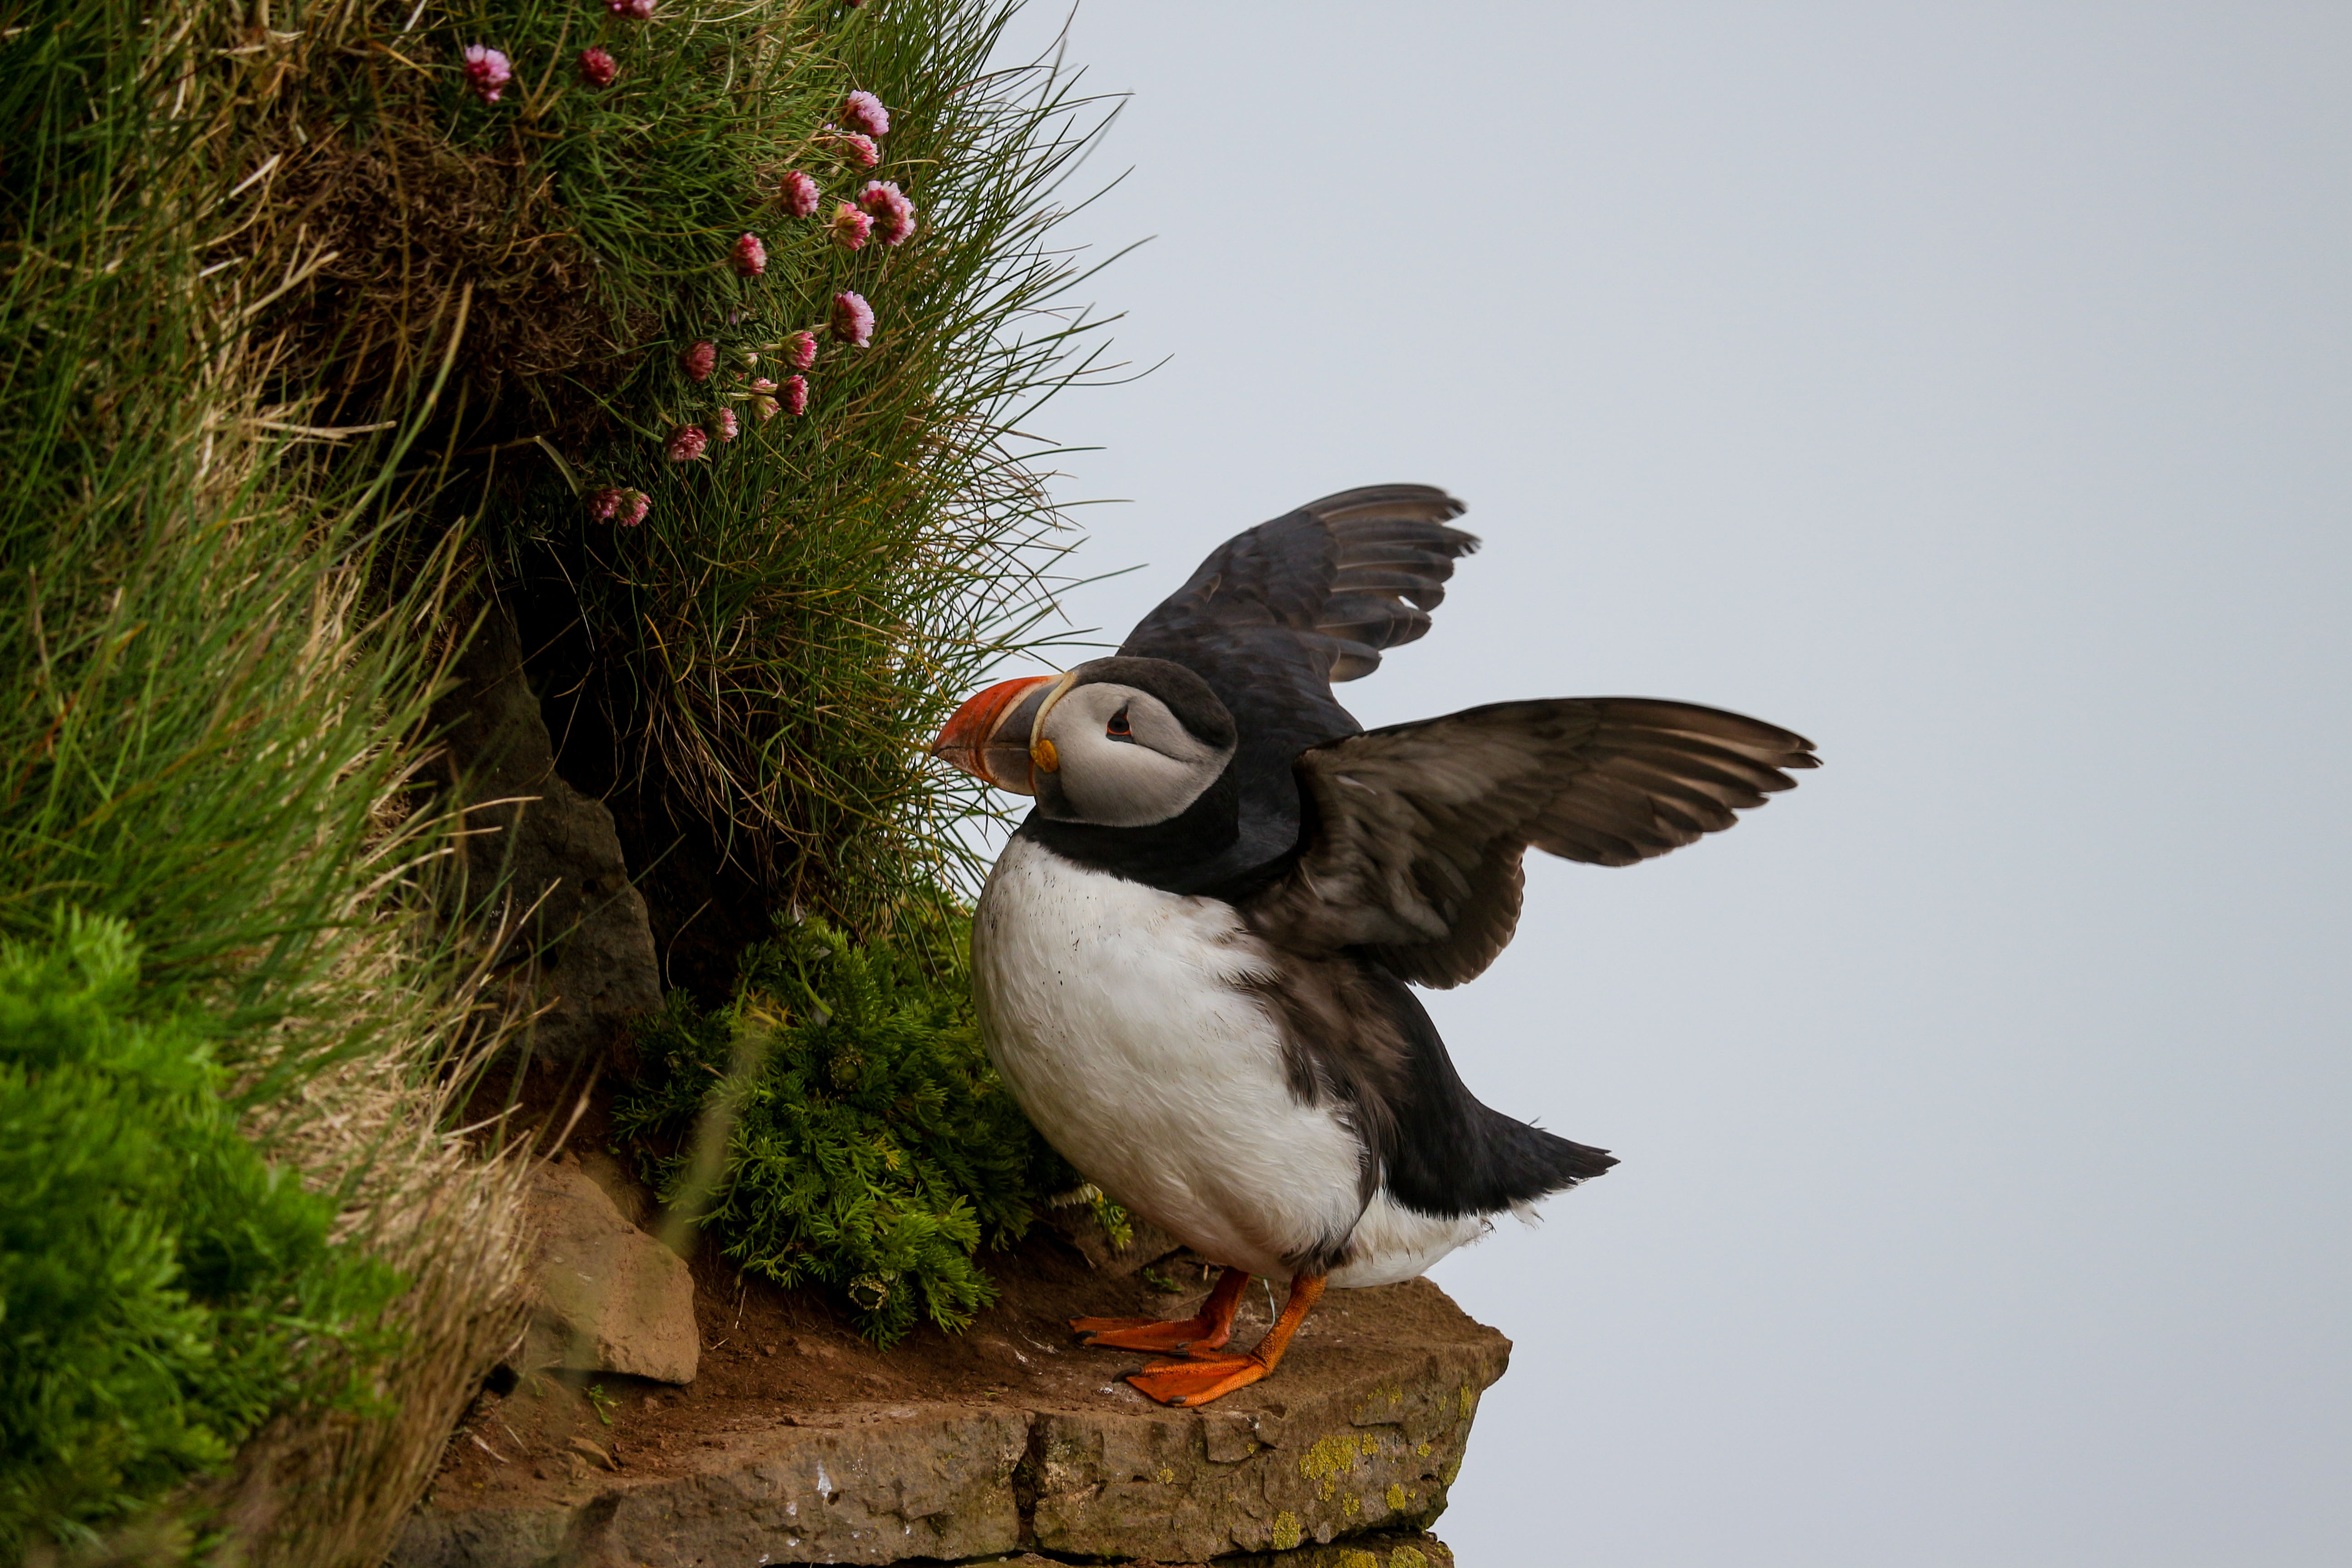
{"type": "Point", "coordinates": [1189, 1383]}
{"type": "Point", "coordinates": [1205, 1331]}
{"type": "Point", "coordinates": [1178, 1337]}
{"type": "Point", "coordinates": [1199, 1381]}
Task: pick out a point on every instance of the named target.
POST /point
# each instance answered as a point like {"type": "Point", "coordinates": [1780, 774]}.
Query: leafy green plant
{"type": "Point", "coordinates": [867, 1144]}
{"type": "Point", "coordinates": [163, 1288]}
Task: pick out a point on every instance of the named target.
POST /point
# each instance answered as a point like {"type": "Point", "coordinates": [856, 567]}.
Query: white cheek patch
{"type": "Point", "coordinates": [1126, 783]}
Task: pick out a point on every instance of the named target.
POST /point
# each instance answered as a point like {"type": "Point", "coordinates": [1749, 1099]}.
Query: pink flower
{"type": "Point", "coordinates": [851, 227]}
{"type": "Point", "coordinates": [486, 72]}
{"type": "Point", "coordinates": [728, 429]}
{"type": "Point", "coordinates": [641, 10]}
{"type": "Point", "coordinates": [850, 144]}
{"type": "Point", "coordinates": [698, 361]}
{"type": "Point", "coordinates": [800, 350]}
{"type": "Point", "coordinates": [765, 407]}
{"type": "Point", "coordinates": [864, 112]}
{"type": "Point", "coordinates": [597, 68]}
{"type": "Point", "coordinates": [799, 193]}
{"type": "Point", "coordinates": [751, 256]}
{"type": "Point", "coordinates": [885, 201]}
{"type": "Point", "coordinates": [762, 383]}
{"type": "Point", "coordinates": [853, 320]}
{"type": "Point", "coordinates": [686, 443]}
{"type": "Point", "coordinates": [796, 394]}
{"type": "Point", "coordinates": [627, 508]}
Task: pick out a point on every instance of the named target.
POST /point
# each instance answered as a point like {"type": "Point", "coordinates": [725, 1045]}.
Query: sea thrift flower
{"type": "Point", "coordinates": [597, 68]}
{"type": "Point", "coordinates": [800, 350]}
{"type": "Point", "coordinates": [728, 429]}
{"type": "Point", "coordinates": [799, 193]}
{"type": "Point", "coordinates": [486, 72]}
{"type": "Point", "coordinates": [887, 202]}
{"type": "Point", "coordinates": [697, 360]}
{"type": "Point", "coordinates": [686, 443]}
{"type": "Point", "coordinates": [765, 407]}
{"type": "Point", "coordinates": [796, 394]}
{"type": "Point", "coordinates": [853, 320]}
{"type": "Point", "coordinates": [851, 227]}
{"type": "Point", "coordinates": [641, 10]}
{"type": "Point", "coordinates": [751, 256]}
{"type": "Point", "coordinates": [627, 508]}
{"type": "Point", "coordinates": [763, 384]}
{"type": "Point", "coordinates": [864, 112]}
{"type": "Point", "coordinates": [850, 144]}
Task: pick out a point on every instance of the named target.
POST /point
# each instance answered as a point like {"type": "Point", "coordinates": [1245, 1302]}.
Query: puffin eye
{"type": "Point", "coordinates": [1117, 729]}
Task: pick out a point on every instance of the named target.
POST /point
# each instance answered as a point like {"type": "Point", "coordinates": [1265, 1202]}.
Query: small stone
{"type": "Point", "coordinates": [593, 1452]}
{"type": "Point", "coordinates": [620, 1301]}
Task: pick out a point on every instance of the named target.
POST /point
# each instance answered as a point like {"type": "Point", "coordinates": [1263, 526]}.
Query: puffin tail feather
{"type": "Point", "coordinates": [1450, 1153]}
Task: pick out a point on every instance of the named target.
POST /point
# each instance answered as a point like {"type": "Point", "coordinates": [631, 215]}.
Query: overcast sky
{"type": "Point", "coordinates": [1965, 386]}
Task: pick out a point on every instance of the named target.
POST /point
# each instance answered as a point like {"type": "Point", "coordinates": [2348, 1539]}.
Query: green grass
{"type": "Point", "coordinates": [213, 716]}
{"type": "Point", "coordinates": [304, 353]}
{"type": "Point", "coordinates": [803, 606]}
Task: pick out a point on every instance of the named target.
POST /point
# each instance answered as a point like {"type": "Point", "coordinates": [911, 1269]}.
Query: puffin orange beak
{"type": "Point", "coordinates": [988, 735]}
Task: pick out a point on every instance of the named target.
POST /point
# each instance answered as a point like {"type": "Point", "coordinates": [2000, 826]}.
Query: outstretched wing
{"type": "Point", "coordinates": [1420, 828]}
{"type": "Point", "coordinates": [1275, 615]}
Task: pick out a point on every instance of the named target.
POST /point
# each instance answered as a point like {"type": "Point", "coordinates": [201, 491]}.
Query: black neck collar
{"type": "Point", "coordinates": [1194, 852]}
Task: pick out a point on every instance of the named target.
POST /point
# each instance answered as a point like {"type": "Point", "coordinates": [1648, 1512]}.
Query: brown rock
{"type": "Point", "coordinates": [1336, 1458]}
{"type": "Point", "coordinates": [605, 1297]}
{"type": "Point", "coordinates": [1352, 1447]}
{"type": "Point", "coordinates": [874, 1485]}
{"type": "Point", "coordinates": [1383, 1549]}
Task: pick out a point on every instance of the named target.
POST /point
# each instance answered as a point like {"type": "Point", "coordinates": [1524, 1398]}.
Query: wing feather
{"type": "Point", "coordinates": [1277, 613]}
{"type": "Point", "coordinates": [1419, 830]}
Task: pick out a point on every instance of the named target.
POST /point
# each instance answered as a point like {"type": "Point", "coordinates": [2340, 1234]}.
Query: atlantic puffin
{"type": "Point", "coordinates": [1194, 962]}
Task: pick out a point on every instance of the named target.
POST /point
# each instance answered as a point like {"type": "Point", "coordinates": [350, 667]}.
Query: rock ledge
{"type": "Point", "coordinates": [1358, 1436]}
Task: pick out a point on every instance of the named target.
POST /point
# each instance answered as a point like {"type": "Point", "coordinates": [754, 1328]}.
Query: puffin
{"type": "Point", "coordinates": [1194, 961]}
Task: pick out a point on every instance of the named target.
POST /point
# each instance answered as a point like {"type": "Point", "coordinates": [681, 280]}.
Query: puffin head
{"type": "Point", "coordinates": [1116, 742]}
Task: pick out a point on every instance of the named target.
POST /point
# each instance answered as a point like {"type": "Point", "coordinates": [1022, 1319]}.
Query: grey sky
{"type": "Point", "coordinates": [1965, 387]}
